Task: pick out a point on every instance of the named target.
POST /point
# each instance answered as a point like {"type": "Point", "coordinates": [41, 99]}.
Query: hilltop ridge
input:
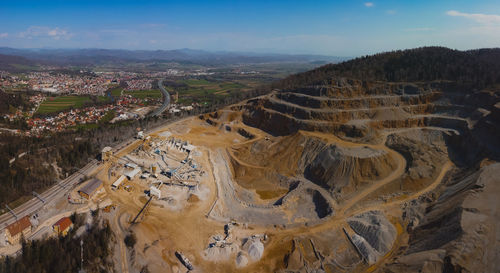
{"type": "Point", "coordinates": [479, 67]}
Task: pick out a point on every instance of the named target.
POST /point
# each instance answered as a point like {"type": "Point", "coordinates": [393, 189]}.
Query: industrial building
{"type": "Point", "coordinates": [131, 165]}
{"type": "Point", "coordinates": [118, 182]}
{"type": "Point", "coordinates": [106, 153]}
{"type": "Point", "coordinates": [63, 226]}
{"type": "Point", "coordinates": [18, 229]}
{"type": "Point", "coordinates": [90, 188]}
{"type": "Point", "coordinates": [132, 173]}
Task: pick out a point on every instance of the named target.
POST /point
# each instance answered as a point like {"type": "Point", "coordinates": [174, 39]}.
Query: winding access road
{"type": "Point", "coordinates": [166, 102]}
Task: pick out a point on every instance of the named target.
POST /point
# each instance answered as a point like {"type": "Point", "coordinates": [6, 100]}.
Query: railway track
{"type": "Point", "coordinates": [35, 204]}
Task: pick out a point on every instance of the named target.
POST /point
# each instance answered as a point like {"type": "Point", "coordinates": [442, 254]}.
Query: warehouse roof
{"type": "Point", "coordinates": [91, 186]}
{"type": "Point", "coordinates": [132, 173]}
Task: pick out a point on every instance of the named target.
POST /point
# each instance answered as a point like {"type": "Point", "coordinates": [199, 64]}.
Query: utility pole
{"type": "Point", "coordinates": [38, 196]}
{"type": "Point", "coordinates": [81, 257]}
{"type": "Point", "coordinates": [11, 211]}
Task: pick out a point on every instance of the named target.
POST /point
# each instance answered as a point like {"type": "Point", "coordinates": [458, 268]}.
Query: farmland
{"type": "Point", "coordinates": [56, 104]}
{"type": "Point", "coordinates": [142, 94]}
{"type": "Point", "coordinates": [203, 90]}
{"type": "Point", "coordinates": [116, 91]}
{"type": "Point", "coordinates": [139, 94]}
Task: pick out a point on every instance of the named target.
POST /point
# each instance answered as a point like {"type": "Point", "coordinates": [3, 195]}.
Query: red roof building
{"type": "Point", "coordinates": [63, 226]}
{"type": "Point", "coordinates": [17, 229]}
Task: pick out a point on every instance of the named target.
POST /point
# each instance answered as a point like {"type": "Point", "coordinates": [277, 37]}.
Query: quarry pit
{"type": "Point", "coordinates": [314, 178]}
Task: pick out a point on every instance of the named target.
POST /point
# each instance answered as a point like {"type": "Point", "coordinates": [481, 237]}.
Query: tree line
{"type": "Point", "coordinates": [479, 67]}
{"type": "Point", "coordinates": [62, 254]}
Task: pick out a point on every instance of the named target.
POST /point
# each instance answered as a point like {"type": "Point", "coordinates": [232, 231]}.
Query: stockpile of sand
{"type": "Point", "coordinates": [254, 248]}
{"type": "Point", "coordinates": [219, 250]}
{"type": "Point", "coordinates": [241, 259]}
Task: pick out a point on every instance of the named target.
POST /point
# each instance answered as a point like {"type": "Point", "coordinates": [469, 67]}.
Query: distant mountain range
{"type": "Point", "coordinates": [93, 56]}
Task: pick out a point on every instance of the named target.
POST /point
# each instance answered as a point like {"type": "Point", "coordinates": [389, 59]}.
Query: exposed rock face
{"type": "Point", "coordinates": [343, 137]}
{"type": "Point", "coordinates": [460, 232]}
{"type": "Point", "coordinates": [336, 167]}
{"type": "Point", "coordinates": [330, 108]}
{"type": "Point", "coordinates": [331, 166]}
{"type": "Point", "coordinates": [374, 236]}
{"type": "Point", "coordinates": [367, 251]}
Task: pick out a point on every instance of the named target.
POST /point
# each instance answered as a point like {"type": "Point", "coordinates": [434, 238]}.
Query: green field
{"type": "Point", "coordinates": [56, 104]}
{"type": "Point", "coordinates": [195, 82]}
{"type": "Point", "coordinates": [116, 92]}
{"type": "Point", "coordinates": [142, 94]}
{"type": "Point", "coordinates": [103, 99]}
{"type": "Point", "coordinates": [201, 90]}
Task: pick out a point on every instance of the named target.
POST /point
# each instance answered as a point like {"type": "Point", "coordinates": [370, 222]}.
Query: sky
{"type": "Point", "coordinates": [337, 28]}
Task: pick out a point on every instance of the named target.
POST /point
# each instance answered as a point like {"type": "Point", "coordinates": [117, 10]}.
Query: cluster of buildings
{"type": "Point", "coordinates": [80, 84]}
{"type": "Point", "coordinates": [35, 100]}
{"type": "Point", "coordinates": [139, 84]}
{"type": "Point", "coordinates": [63, 120]}
{"type": "Point", "coordinates": [124, 109]}
{"type": "Point", "coordinates": [25, 226]}
{"type": "Point", "coordinates": [22, 228]}
{"type": "Point", "coordinates": [8, 81]}
{"type": "Point", "coordinates": [174, 108]}
{"type": "Point", "coordinates": [87, 115]}
{"type": "Point", "coordinates": [83, 83]}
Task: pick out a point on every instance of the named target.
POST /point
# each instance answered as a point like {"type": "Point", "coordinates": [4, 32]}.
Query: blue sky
{"type": "Point", "coordinates": [341, 28]}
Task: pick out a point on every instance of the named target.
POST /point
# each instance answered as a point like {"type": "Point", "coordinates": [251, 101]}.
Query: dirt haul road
{"type": "Point", "coordinates": [174, 230]}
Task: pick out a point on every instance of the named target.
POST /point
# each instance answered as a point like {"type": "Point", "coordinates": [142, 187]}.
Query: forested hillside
{"type": "Point", "coordinates": [62, 254]}
{"type": "Point", "coordinates": [480, 67]}
{"type": "Point", "coordinates": [9, 101]}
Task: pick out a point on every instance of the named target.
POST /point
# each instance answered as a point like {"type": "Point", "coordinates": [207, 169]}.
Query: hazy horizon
{"type": "Point", "coordinates": [340, 28]}
{"type": "Point", "coordinates": [173, 49]}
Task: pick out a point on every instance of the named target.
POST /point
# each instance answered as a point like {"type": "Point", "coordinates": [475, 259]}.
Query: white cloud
{"type": "Point", "coordinates": [4, 35]}
{"type": "Point", "coordinates": [41, 31]}
{"type": "Point", "coordinates": [478, 17]}
{"type": "Point", "coordinates": [369, 4]}
{"type": "Point", "coordinates": [391, 11]}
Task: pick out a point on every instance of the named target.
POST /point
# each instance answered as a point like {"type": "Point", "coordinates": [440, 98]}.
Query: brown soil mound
{"type": "Point", "coordinates": [336, 167]}
{"type": "Point", "coordinates": [193, 198]}
{"type": "Point", "coordinates": [262, 164]}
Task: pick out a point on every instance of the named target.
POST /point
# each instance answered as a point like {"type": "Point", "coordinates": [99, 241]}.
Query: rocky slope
{"type": "Point", "coordinates": [408, 169]}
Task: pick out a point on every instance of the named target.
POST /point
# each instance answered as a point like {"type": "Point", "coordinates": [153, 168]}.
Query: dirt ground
{"type": "Point", "coordinates": [191, 226]}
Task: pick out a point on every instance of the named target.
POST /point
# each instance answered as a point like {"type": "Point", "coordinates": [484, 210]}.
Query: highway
{"type": "Point", "coordinates": [63, 187]}
{"type": "Point", "coordinates": [166, 102]}
{"type": "Point", "coordinates": [58, 190]}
